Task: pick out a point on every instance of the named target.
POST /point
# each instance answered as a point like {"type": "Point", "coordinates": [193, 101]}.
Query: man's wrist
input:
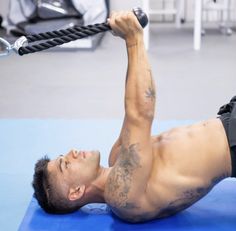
{"type": "Point", "coordinates": [134, 40]}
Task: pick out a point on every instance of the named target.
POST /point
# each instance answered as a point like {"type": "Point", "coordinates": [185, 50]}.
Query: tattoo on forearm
{"type": "Point", "coordinates": [150, 92]}
{"type": "Point", "coordinates": [121, 177]}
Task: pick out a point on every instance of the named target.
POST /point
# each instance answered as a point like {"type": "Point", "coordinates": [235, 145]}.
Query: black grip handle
{"type": "Point", "coordinates": [141, 16]}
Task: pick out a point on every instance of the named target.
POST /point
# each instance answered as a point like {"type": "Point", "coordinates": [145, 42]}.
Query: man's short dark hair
{"type": "Point", "coordinates": [49, 199]}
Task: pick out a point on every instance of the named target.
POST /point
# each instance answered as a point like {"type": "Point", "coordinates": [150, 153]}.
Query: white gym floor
{"type": "Point", "coordinates": [90, 84]}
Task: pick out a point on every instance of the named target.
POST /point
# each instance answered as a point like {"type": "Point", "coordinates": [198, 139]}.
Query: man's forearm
{"type": "Point", "coordinates": [140, 93]}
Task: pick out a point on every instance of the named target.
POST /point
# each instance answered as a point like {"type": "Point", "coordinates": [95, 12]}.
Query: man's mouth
{"type": "Point", "coordinates": [82, 154]}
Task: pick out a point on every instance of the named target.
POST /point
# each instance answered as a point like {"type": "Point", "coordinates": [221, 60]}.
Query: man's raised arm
{"type": "Point", "coordinates": [129, 177]}
{"type": "Point", "coordinates": [140, 90]}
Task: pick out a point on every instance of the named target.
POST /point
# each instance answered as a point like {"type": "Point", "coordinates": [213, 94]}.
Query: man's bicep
{"type": "Point", "coordinates": [130, 174]}
{"type": "Point", "coordinates": [133, 131]}
{"type": "Point", "coordinates": [136, 130]}
{"type": "Point", "coordinates": [136, 151]}
{"type": "Point", "coordinates": [114, 153]}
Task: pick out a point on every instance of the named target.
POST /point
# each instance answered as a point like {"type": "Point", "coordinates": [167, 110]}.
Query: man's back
{"type": "Point", "coordinates": [187, 162]}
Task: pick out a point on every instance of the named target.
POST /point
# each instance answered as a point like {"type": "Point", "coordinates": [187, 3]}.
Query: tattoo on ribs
{"type": "Point", "coordinates": [188, 198]}
{"type": "Point", "coordinates": [121, 177]}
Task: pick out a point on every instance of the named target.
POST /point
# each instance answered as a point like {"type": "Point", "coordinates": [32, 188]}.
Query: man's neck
{"type": "Point", "coordinates": [97, 188]}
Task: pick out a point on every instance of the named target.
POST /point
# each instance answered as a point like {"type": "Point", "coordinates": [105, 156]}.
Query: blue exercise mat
{"type": "Point", "coordinates": [216, 211]}
{"type": "Point", "coordinates": [23, 141]}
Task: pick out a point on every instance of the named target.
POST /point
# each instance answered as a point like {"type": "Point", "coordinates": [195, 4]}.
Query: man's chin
{"type": "Point", "coordinates": [95, 152]}
{"type": "Point", "coordinates": [94, 157]}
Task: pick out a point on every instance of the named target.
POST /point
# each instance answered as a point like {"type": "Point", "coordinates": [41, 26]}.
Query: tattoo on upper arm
{"type": "Point", "coordinates": [121, 177]}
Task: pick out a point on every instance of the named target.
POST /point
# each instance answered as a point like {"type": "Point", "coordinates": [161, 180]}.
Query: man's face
{"type": "Point", "coordinates": [74, 169]}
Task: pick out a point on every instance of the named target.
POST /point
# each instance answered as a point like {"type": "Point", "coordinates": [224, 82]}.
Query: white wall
{"type": "Point", "coordinates": [3, 7]}
{"type": "Point", "coordinates": [115, 5]}
{"type": "Point", "coordinates": [124, 4]}
{"type": "Point", "coordinates": [189, 9]}
{"type": "Point", "coordinates": [129, 4]}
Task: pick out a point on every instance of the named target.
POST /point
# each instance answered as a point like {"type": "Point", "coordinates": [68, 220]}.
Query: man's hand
{"type": "Point", "coordinates": [125, 25]}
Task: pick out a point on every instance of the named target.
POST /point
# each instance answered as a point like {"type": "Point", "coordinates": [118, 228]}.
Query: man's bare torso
{"type": "Point", "coordinates": [187, 162]}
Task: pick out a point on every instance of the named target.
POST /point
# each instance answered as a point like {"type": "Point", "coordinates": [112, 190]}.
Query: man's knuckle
{"type": "Point", "coordinates": [116, 20]}
{"type": "Point", "coordinates": [130, 14]}
{"type": "Point", "coordinates": [126, 17]}
{"type": "Point", "coordinates": [119, 19]}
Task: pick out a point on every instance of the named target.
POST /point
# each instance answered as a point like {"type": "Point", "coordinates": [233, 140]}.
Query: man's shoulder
{"type": "Point", "coordinates": [122, 200]}
{"type": "Point", "coordinates": [130, 210]}
{"type": "Point", "coordinates": [118, 191]}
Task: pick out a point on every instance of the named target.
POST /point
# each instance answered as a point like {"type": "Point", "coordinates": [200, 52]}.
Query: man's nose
{"type": "Point", "coordinates": [74, 153]}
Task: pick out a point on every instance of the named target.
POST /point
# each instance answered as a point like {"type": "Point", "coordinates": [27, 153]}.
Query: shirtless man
{"type": "Point", "coordinates": [148, 177]}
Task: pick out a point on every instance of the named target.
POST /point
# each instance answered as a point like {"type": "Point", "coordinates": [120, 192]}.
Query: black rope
{"type": "Point", "coordinates": [59, 33]}
{"type": "Point", "coordinates": [61, 37]}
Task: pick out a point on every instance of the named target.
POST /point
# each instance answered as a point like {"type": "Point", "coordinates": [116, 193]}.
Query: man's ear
{"type": "Point", "coordinates": [76, 193]}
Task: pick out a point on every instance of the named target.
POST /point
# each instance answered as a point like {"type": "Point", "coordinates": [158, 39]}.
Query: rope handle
{"type": "Point", "coordinates": [60, 37]}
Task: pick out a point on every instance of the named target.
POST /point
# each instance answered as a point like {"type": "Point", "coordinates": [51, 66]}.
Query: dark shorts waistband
{"type": "Point", "coordinates": [227, 115]}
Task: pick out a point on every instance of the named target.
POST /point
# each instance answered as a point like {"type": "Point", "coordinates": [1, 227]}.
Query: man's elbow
{"type": "Point", "coordinates": [141, 115]}
{"type": "Point", "coordinates": [148, 115]}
